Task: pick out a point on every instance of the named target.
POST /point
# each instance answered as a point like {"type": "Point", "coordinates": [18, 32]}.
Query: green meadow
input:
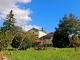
{"type": "Point", "coordinates": [49, 54]}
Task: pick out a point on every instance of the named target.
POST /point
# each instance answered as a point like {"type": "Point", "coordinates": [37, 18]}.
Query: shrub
{"type": "Point", "coordinates": [26, 43]}
{"type": "Point", "coordinates": [16, 41]}
{"type": "Point", "coordinates": [21, 43]}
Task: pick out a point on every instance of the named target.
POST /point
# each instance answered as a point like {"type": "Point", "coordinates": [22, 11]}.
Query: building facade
{"type": "Point", "coordinates": [39, 33]}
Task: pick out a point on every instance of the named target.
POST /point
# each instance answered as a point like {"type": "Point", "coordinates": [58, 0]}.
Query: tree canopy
{"type": "Point", "coordinates": [68, 26]}
{"type": "Point", "coordinates": [31, 36]}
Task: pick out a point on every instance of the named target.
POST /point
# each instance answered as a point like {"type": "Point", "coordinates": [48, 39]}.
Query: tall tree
{"type": "Point", "coordinates": [68, 25]}
{"type": "Point", "coordinates": [9, 25]}
{"type": "Point", "coordinates": [9, 21]}
{"type": "Point", "coordinates": [8, 30]}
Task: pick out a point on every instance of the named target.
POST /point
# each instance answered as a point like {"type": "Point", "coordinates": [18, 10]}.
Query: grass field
{"type": "Point", "coordinates": [49, 54]}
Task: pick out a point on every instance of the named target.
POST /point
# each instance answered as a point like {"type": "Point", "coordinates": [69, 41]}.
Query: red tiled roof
{"type": "Point", "coordinates": [50, 34]}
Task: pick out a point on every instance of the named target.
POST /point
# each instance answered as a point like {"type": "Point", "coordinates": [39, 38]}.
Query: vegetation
{"type": "Point", "coordinates": [49, 54]}
{"type": "Point", "coordinates": [16, 41]}
{"type": "Point", "coordinates": [26, 43]}
{"type": "Point", "coordinates": [60, 41]}
{"type": "Point", "coordinates": [8, 31]}
{"type": "Point", "coordinates": [66, 34]}
{"type": "Point", "coordinates": [75, 42]}
{"type": "Point", "coordinates": [8, 23]}
{"type": "Point", "coordinates": [3, 42]}
{"type": "Point", "coordinates": [67, 27]}
{"type": "Point", "coordinates": [31, 36]}
{"type": "Point", "coordinates": [21, 43]}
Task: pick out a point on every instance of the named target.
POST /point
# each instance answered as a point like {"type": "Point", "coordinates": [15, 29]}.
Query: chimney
{"type": "Point", "coordinates": [42, 29]}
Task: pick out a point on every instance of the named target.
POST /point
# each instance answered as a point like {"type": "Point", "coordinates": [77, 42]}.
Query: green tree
{"type": "Point", "coordinates": [26, 43]}
{"type": "Point", "coordinates": [9, 27]}
{"type": "Point", "coordinates": [20, 42]}
{"type": "Point", "coordinates": [9, 22]}
{"type": "Point", "coordinates": [4, 40]}
{"type": "Point", "coordinates": [68, 25]}
{"type": "Point", "coordinates": [16, 41]}
{"type": "Point", "coordinates": [31, 36]}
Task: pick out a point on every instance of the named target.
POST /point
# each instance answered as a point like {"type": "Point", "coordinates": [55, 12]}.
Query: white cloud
{"type": "Point", "coordinates": [21, 15]}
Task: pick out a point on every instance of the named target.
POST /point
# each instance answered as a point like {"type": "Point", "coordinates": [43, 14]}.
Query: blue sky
{"type": "Point", "coordinates": [47, 13]}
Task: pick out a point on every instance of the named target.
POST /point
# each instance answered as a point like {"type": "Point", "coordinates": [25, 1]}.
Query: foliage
{"type": "Point", "coordinates": [60, 41]}
{"type": "Point", "coordinates": [8, 30]}
{"type": "Point", "coordinates": [21, 43]}
{"type": "Point", "coordinates": [67, 27]}
{"type": "Point", "coordinates": [31, 36]}
{"type": "Point", "coordinates": [16, 41]}
{"type": "Point", "coordinates": [75, 42]}
{"type": "Point", "coordinates": [4, 40]}
{"type": "Point", "coordinates": [8, 23]}
{"type": "Point", "coordinates": [26, 43]}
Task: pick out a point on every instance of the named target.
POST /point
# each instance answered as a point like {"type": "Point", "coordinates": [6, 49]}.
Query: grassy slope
{"type": "Point", "coordinates": [49, 54]}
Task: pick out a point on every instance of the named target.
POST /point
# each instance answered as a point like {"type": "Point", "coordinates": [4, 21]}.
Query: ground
{"type": "Point", "coordinates": [49, 54]}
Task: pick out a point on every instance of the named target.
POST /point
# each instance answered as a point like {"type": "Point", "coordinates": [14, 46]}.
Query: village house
{"type": "Point", "coordinates": [38, 32]}
{"type": "Point", "coordinates": [48, 38]}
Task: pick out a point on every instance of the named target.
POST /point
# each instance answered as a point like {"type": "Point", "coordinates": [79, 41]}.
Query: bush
{"type": "Point", "coordinates": [75, 41]}
{"type": "Point", "coordinates": [16, 41]}
{"type": "Point", "coordinates": [26, 43]}
{"type": "Point", "coordinates": [4, 42]}
{"type": "Point", "coordinates": [21, 43]}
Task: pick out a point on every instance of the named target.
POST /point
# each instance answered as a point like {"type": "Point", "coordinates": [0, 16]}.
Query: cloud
{"type": "Point", "coordinates": [21, 15]}
{"type": "Point", "coordinates": [28, 27]}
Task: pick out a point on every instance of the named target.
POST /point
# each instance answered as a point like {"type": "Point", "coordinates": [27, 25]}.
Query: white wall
{"type": "Point", "coordinates": [41, 33]}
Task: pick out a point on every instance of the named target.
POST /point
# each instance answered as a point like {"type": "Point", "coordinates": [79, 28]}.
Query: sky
{"type": "Point", "coordinates": [39, 13]}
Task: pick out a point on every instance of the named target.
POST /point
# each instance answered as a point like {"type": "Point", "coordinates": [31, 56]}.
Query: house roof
{"type": "Point", "coordinates": [37, 29]}
{"type": "Point", "coordinates": [50, 34]}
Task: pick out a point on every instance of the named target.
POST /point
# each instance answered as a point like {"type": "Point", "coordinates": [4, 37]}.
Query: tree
{"type": "Point", "coordinates": [6, 31]}
{"type": "Point", "coordinates": [60, 41]}
{"type": "Point", "coordinates": [67, 26]}
{"type": "Point", "coordinates": [75, 42]}
{"type": "Point", "coordinates": [31, 36]}
{"type": "Point", "coordinates": [21, 43]}
{"type": "Point", "coordinates": [16, 41]}
{"type": "Point", "coordinates": [9, 27]}
{"type": "Point", "coordinates": [4, 40]}
{"type": "Point", "coordinates": [26, 43]}
{"type": "Point", "coordinates": [9, 22]}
